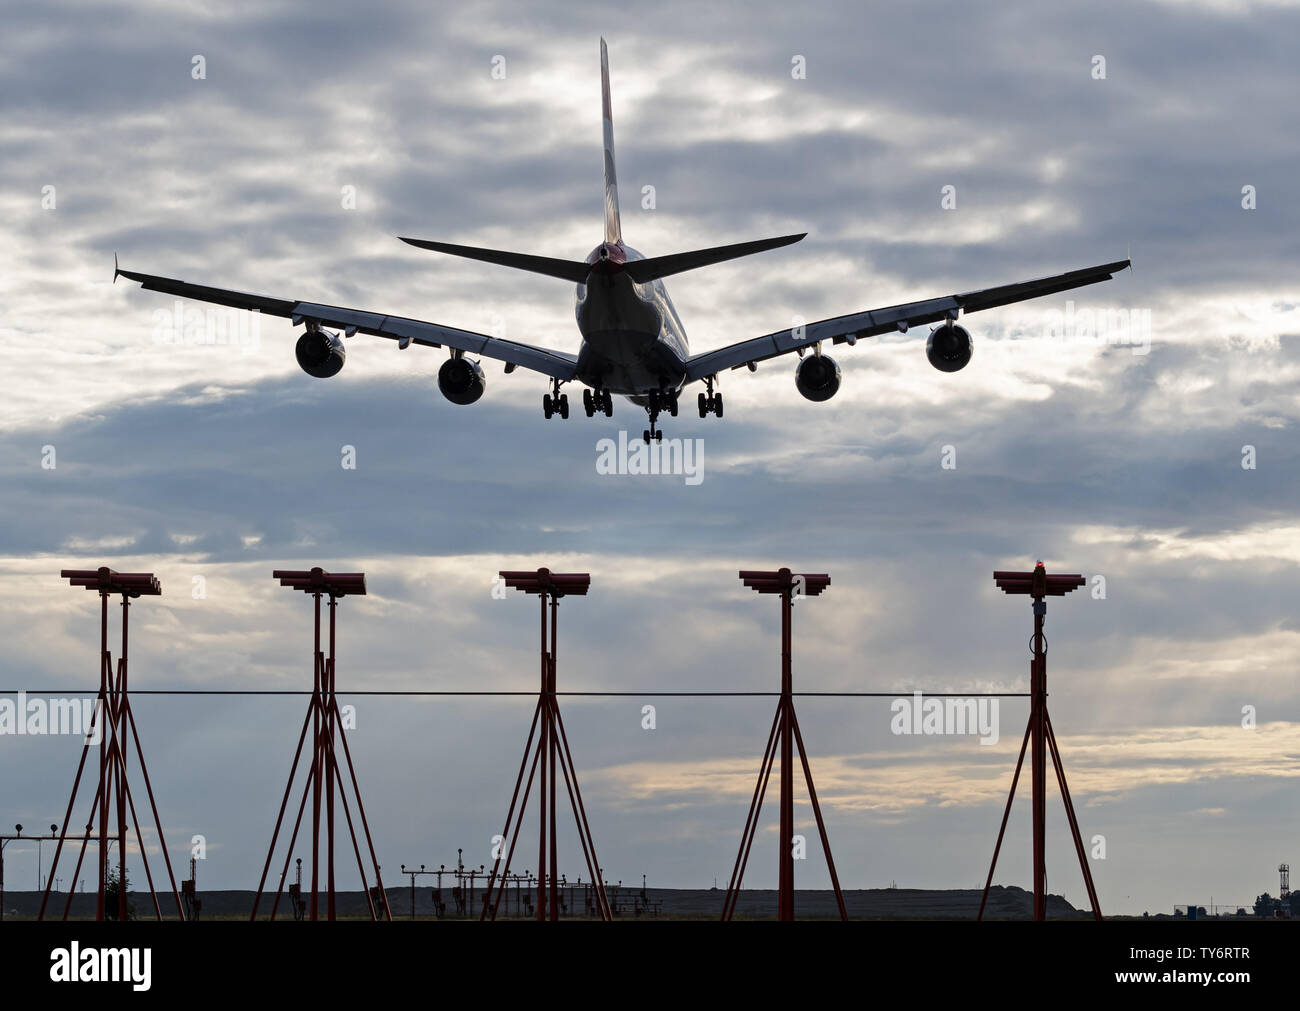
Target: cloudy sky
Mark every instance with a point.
(1171, 474)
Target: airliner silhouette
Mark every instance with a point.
(633, 342)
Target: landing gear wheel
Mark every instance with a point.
(659, 436)
(564, 406)
(587, 404)
(607, 403)
(645, 434)
(548, 406)
(717, 404)
(672, 404)
(704, 405)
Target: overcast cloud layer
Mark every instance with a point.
(221, 463)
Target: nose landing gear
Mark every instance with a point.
(658, 401)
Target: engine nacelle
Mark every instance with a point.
(320, 354)
(817, 377)
(461, 380)
(949, 347)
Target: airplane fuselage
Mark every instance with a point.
(632, 338)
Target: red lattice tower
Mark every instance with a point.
(324, 782)
(789, 586)
(1039, 585)
(114, 725)
(552, 753)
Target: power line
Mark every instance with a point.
(533, 694)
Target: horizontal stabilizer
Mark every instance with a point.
(568, 270)
(642, 271)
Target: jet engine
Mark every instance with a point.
(461, 380)
(320, 354)
(817, 377)
(949, 347)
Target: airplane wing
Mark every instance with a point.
(556, 364)
(847, 329)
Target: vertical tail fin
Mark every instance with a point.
(613, 227)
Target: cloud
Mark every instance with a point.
(211, 464)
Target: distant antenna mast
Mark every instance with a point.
(189, 893)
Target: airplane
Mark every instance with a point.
(633, 342)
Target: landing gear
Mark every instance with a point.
(661, 400)
(600, 400)
(657, 401)
(712, 403)
(555, 402)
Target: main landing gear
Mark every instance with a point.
(711, 404)
(555, 402)
(658, 401)
(600, 401)
(553, 405)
